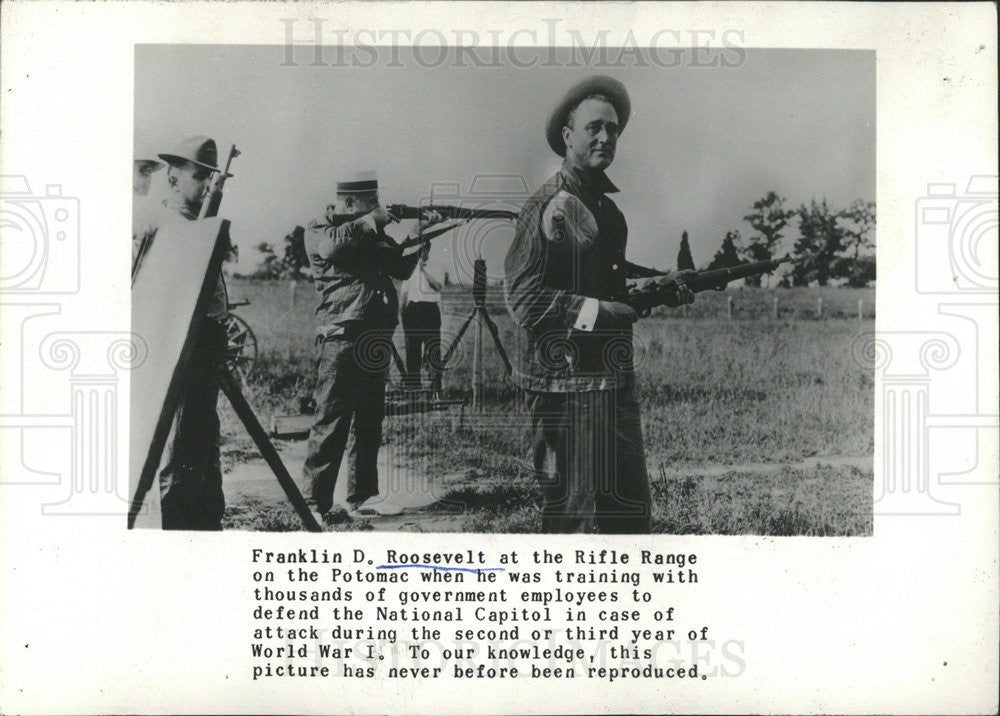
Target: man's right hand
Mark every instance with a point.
(615, 315)
(382, 216)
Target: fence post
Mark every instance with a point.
(861, 309)
(729, 307)
(819, 307)
(776, 307)
(686, 310)
(291, 291)
(477, 366)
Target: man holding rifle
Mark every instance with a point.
(191, 495)
(354, 263)
(566, 278)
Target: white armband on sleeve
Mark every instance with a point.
(588, 315)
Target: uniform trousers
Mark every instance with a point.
(350, 397)
(589, 460)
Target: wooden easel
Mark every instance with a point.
(230, 387)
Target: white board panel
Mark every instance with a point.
(171, 288)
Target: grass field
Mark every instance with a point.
(752, 425)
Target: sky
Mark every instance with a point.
(702, 143)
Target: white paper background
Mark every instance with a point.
(97, 619)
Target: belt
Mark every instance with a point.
(346, 331)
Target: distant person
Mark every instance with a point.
(566, 272)
(354, 263)
(145, 213)
(421, 298)
(191, 495)
(143, 169)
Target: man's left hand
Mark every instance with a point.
(427, 219)
(683, 295)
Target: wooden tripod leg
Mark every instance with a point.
(454, 343)
(397, 360)
(496, 340)
(267, 450)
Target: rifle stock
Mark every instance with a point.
(663, 291)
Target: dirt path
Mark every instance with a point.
(406, 495)
(403, 494)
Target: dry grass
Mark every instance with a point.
(732, 393)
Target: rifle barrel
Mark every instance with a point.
(406, 211)
(710, 279)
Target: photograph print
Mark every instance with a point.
(457, 289)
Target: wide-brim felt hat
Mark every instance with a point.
(197, 150)
(597, 84)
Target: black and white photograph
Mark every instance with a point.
(499, 358)
(490, 290)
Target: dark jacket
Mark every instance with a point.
(353, 274)
(569, 245)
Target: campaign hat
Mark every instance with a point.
(198, 150)
(596, 84)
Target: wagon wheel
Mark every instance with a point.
(241, 348)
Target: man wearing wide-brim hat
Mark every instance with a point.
(191, 496)
(565, 271)
(354, 263)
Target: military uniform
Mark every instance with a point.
(356, 316)
(567, 261)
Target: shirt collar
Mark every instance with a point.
(596, 183)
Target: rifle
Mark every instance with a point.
(405, 211)
(210, 206)
(662, 291)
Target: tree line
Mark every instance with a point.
(834, 246)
